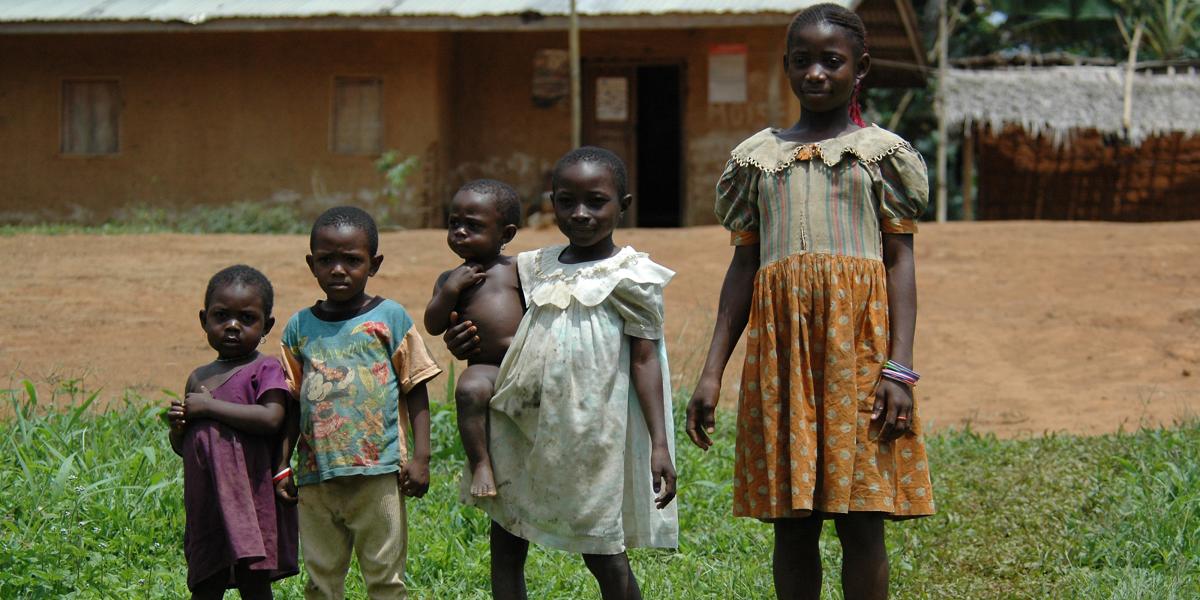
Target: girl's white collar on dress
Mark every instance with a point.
(590, 282)
(770, 154)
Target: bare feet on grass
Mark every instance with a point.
(483, 483)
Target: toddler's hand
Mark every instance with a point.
(662, 473)
(414, 478)
(464, 277)
(285, 490)
(894, 406)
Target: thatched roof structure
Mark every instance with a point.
(1057, 101)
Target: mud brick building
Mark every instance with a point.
(105, 105)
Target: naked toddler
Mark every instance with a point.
(485, 290)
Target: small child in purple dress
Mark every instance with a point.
(227, 429)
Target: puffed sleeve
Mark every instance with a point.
(641, 307)
(737, 202)
(905, 190)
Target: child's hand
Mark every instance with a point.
(414, 478)
(285, 490)
(177, 416)
(702, 413)
(662, 473)
(460, 338)
(894, 406)
(195, 404)
(464, 277)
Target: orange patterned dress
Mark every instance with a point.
(818, 332)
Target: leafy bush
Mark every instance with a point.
(238, 217)
(400, 203)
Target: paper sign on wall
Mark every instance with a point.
(726, 73)
(612, 99)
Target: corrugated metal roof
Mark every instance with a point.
(200, 11)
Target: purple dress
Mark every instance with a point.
(232, 514)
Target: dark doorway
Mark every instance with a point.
(659, 146)
(637, 112)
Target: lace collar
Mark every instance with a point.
(769, 154)
(550, 268)
(555, 282)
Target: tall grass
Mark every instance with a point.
(91, 507)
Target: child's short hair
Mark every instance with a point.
(508, 201)
(834, 15)
(242, 275)
(347, 216)
(594, 154)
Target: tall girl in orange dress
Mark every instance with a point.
(822, 216)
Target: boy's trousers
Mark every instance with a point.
(364, 513)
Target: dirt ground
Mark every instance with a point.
(1024, 327)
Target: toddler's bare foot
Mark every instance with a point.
(483, 483)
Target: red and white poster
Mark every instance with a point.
(726, 73)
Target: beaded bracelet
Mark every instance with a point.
(898, 372)
(280, 476)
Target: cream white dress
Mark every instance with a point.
(569, 444)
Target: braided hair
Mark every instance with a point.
(839, 17)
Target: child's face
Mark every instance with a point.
(341, 261)
(234, 320)
(475, 230)
(586, 204)
(822, 66)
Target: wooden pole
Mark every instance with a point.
(905, 100)
(1127, 110)
(576, 76)
(940, 106)
(968, 174)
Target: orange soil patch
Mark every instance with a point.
(1024, 327)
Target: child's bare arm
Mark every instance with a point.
(285, 489)
(291, 433)
(893, 400)
(646, 371)
(176, 436)
(445, 295)
(176, 421)
(177, 427)
(263, 418)
(902, 294)
(414, 476)
(733, 311)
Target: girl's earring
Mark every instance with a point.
(262, 340)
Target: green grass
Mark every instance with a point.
(236, 217)
(91, 507)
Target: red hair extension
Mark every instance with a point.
(855, 110)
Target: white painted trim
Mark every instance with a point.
(490, 23)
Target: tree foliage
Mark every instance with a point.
(1097, 28)
(1103, 27)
